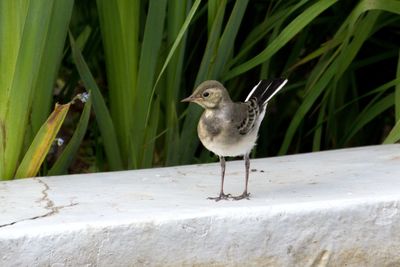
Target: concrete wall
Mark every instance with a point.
(336, 208)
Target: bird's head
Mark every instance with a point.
(209, 94)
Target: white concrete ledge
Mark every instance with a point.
(336, 208)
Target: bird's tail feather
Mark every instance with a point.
(266, 89)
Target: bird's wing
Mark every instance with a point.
(246, 115)
(265, 90)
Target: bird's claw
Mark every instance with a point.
(245, 195)
(220, 197)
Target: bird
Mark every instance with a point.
(230, 129)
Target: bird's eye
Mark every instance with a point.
(206, 94)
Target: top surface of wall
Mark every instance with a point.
(297, 185)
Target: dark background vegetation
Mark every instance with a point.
(374, 64)
(139, 58)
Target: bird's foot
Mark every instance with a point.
(242, 196)
(220, 197)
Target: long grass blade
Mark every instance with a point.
(178, 21)
(68, 154)
(313, 94)
(351, 48)
(397, 92)
(394, 134)
(103, 117)
(50, 62)
(369, 114)
(171, 52)
(19, 98)
(271, 21)
(152, 39)
(225, 47)
(42, 142)
(120, 28)
(12, 19)
(335, 66)
(188, 139)
(284, 37)
(151, 133)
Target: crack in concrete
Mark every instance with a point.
(45, 197)
(49, 206)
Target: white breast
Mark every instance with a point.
(244, 146)
(222, 146)
(228, 144)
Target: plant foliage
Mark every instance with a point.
(139, 58)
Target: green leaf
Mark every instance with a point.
(18, 99)
(188, 140)
(314, 92)
(42, 142)
(299, 23)
(272, 21)
(50, 62)
(120, 29)
(318, 131)
(70, 150)
(150, 138)
(153, 33)
(178, 21)
(368, 114)
(103, 117)
(397, 92)
(172, 51)
(351, 48)
(228, 37)
(394, 134)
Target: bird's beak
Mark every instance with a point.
(188, 99)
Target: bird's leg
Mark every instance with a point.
(245, 194)
(222, 195)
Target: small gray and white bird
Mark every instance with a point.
(230, 129)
